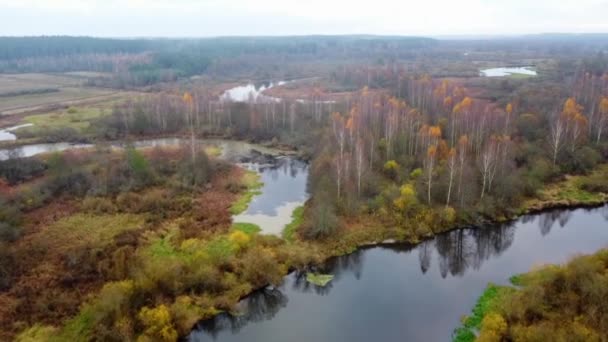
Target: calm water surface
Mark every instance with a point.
(7, 133)
(408, 293)
(284, 190)
(507, 71)
(250, 91)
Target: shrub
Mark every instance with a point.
(18, 170)
(597, 182)
(391, 169)
(185, 313)
(129, 202)
(140, 171)
(98, 205)
(157, 324)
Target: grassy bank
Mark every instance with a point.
(249, 186)
(554, 303)
(485, 304)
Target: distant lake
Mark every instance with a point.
(244, 93)
(508, 71)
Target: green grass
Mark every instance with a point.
(319, 279)
(484, 305)
(247, 228)
(297, 218)
(76, 118)
(517, 279)
(252, 184)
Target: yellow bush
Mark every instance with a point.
(239, 238)
(158, 324)
(493, 327)
(391, 165)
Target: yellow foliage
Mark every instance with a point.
(187, 98)
(604, 105)
(239, 238)
(158, 324)
(391, 165)
(449, 215)
(407, 197)
(493, 327)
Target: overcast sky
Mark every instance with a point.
(202, 18)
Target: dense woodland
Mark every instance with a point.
(414, 145)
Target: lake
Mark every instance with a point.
(508, 71)
(408, 293)
(250, 91)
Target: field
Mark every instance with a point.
(31, 92)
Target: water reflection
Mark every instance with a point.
(409, 286)
(547, 220)
(260, 305)
(284, 189)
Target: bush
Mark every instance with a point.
(140, 171)
(158, 324)
(185, 313)
(19, 170)
(582, 160)
(9, 232)
(597, 182)
(98, 205)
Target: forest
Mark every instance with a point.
(107, 236)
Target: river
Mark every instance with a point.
(284, 190)
(408, 293)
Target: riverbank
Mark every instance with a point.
(365, 232)
(551, 303)
(567, 193)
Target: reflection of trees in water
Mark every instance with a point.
(300, 284)
(458, 251)
(351, 263)
(259, 306)
(547, 219)
(604, 212)
(464, 248)
(286, 166)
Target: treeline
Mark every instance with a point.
(12, 48)
(198, 113)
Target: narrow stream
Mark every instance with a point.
(284, 190)
(408, 293)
